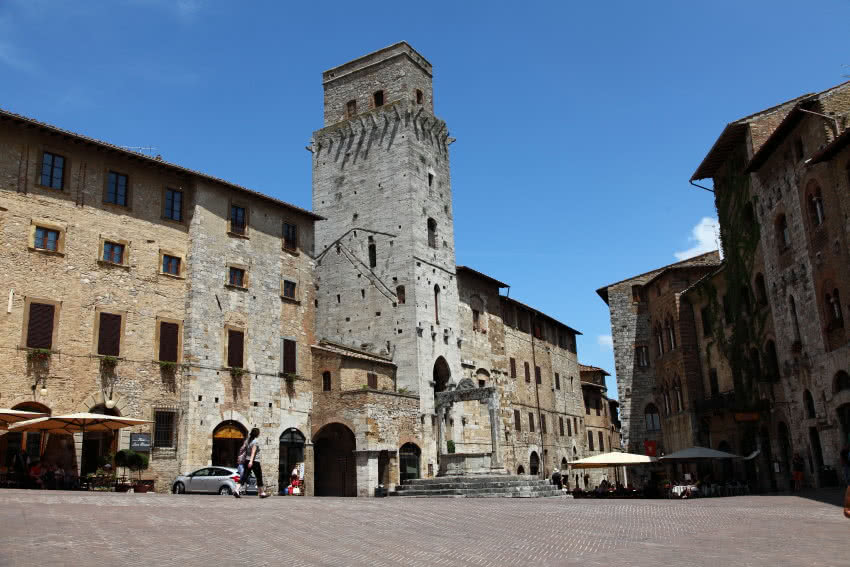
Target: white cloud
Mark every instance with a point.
(605, 341)
(705, 235)
(14, 58)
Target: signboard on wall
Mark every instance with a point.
(140, 442)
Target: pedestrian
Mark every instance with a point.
(253, 465)
(798, 466)
(845, 463)
(556, 479)
(240, 458)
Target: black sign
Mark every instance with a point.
(140, 442)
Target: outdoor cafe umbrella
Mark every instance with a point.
(694, 454)
(8, 416)
(614, 459)
(77, 423)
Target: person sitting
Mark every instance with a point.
(35, 475)
(59, 476)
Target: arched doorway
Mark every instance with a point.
(520, 470)
(99, 447)
(408, 456)
(15, 442)
(335, 472)
(534, 464)
(442, 374)
(228, 437)
(291, 453)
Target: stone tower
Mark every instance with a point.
(385, 254)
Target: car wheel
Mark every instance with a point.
(225, 491)
(179, 488)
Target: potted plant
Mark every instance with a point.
(39, 354)
(138, 462)
(450, 446)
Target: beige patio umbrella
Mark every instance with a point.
(8, 416)
(77, 423)
(614, 459)
(694, 454)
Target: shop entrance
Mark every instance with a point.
(291, 453)
(99, 446)
(228, 437)
(408, 457)
(335, 472)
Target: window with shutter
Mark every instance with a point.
(543, 423)
(290, 236)
(527, 372)
(372, 380)
(513, 368)
(109, 335)
(569, 427)
(289, 366)
(517, 421)
(537, 376)
(561, 425)
(235, 348)
(40, 326)
(590, 440)
(531, 422)
(168, 339)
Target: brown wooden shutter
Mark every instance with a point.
(235, 348)
(372, 380)
(513, 368)
(109, 336)
(40, 327)
(517, 421)
(168, 341)
(289, 366)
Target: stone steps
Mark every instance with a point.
(478, 486)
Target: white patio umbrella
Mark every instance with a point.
(8, 416)
(615, 459)
(698, 454)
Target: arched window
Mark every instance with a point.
(420, 98)
(841, 382)
(832, 305)
(653, 420)
(809, 403)
(437, 303)
(671, 334)
(678, 389)
(815, 203)
(432, 233)
(795, 324)
(659, 340)
(326, 381)
(399, 293)
(761, 290)
(378, 98)
(666, 401)
(772, 360)
(783, 235)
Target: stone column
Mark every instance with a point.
(309, 467)
(366, 463)
(495, 439)
(441, 433)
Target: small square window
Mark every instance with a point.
(170, 265)
(173, 204)
(289, 289)
(378, 97)
(236, 277)
(116, 189)
(350, 108)
(52, 171)
(113, 252)
(46, 239)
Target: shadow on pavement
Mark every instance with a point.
(832, 495)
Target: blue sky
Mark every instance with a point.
(578, 125)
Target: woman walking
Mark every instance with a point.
(252, 465)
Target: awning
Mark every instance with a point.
(698, 454)
(615, 459)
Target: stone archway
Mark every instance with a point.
(228, 437)
(534, 464)
(335, 471)
(409, 456)
(291, 453)
(442, 374)
(98, 445)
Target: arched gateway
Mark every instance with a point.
(335, 472)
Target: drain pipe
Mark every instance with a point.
(542, 455)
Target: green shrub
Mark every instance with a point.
(450, 446)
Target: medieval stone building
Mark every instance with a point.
(764, 365)
(142, 288)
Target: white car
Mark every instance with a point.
(211, 480)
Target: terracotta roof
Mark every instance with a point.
(521, 304)
(707, 276)
(832, 148)
(5, 114)
(684, 267)
(587, 368)
(788, 124)
(480, 275)
(732, 135)
(351, 352)
(603, 291)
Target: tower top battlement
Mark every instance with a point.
(392, 74)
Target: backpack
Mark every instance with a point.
(243, 453)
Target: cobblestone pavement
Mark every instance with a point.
(77, 528)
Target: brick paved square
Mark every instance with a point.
(68, 528)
